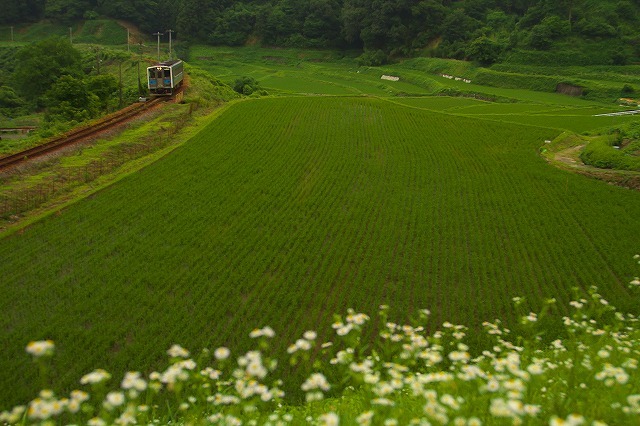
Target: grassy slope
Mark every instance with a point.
(103, 31)
(285, 210)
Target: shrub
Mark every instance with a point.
(627, 90)
(605, 153)
(246, 85)
(372, 58)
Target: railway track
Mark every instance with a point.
(76, 135)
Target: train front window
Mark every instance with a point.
(167, 73)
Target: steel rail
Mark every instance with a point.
(76, 135)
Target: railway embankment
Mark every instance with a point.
(99, 156)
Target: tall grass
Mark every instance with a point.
(404, 375)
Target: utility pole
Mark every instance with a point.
(170, 31)
(70, 35)
(139, 81)
(128, 40)
(158, 34)
(12, 34)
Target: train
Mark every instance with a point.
(164, 78)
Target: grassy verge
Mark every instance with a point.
(35, 191)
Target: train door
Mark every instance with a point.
(153, 79)
(167, 79)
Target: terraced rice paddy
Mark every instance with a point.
(284, 211)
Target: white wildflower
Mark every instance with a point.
(221, 353)
(177, 351)
(329, 419)
(114, 399)
(96, 376)
(40, 348)
(262, 332)
(132, 380)
(365, 418)
(316, 381)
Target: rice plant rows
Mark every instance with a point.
(284, 211)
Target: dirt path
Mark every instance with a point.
(569, 159)
(570, 156)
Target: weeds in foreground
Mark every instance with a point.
(406, 376)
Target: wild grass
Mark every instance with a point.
(406, 374)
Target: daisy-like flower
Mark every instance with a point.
(114, 399)
(316, 381)
(96, 421)
(222, 353)
(310, 335)
(177, 351)
(132, 380)
(365, 418)
(79, 395)
(262, 332)
(40, 348)
(96, 376)
(329, 419)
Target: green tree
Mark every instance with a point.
(457, 26)
(234, 26)
(39, 65)
(484, 50)
(69, 99)
(18, 11)
(322, 22)
(551, 28)
(595, 27)
(428, 16)
(274, 25)
(11, 105)
(105, 88)
(352, 18)
(195, 18)
(66, 11)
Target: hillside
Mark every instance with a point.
(487, 31)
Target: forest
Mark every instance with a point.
(485, 31)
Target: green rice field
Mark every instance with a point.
(285, 210)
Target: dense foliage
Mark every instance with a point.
(619, 149)
(54, 77)
(482, 30)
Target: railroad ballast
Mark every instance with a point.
(165, 77)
